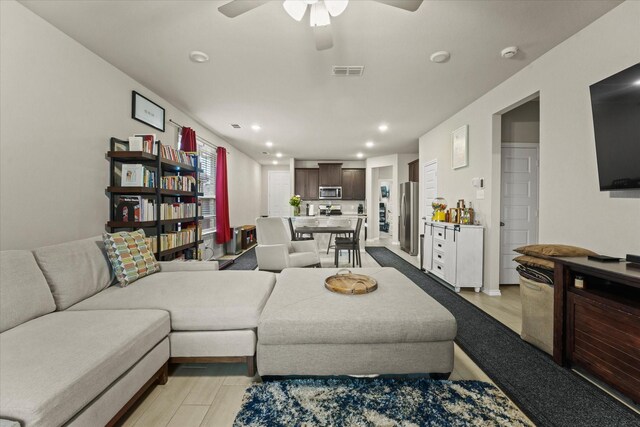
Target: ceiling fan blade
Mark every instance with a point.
(295, 9)
(410, 5)
(336, 7)
(323, 36)
(238, 7)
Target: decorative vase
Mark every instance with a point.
(296, 211)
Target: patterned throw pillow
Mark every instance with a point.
(130, 256)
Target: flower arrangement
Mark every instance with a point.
(295, 202)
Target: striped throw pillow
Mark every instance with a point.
(130, 256)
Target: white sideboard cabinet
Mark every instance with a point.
(454, 253)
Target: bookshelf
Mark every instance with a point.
(170, 215)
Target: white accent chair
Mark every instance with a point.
(276, 251)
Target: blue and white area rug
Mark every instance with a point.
(378, 402)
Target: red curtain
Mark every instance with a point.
(223, 233)
(188, 141)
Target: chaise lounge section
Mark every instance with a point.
(75, 350)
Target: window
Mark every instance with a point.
(208, 179)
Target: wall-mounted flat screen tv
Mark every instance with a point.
(615, 104)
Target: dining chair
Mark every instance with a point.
(305, 222)
(350, 244)
(337, 222)
(297, 236)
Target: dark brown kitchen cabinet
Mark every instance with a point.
(330, 174)
(306, 183)
(414, 171)
(353, 184)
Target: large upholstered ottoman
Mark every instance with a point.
(306, 329)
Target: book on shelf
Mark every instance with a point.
(180, 156)
(177, 210)
(180, 183)
(152, 243)
(137, 175)
(148, 143)
(134, 208)
(135, 143)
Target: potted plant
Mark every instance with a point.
(295, 202)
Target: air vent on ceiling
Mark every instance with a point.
(235, 125)
(348, 70)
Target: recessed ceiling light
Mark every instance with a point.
(636, 83)
(199, 57)
(383, 127)
(256, 127)
(369, 144)
(269, 144)
(278, 155)
(275, 162)
(440, 57)
(360, 155)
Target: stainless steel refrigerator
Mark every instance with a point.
(409, 217)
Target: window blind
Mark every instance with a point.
(208, 159)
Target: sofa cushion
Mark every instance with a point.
(53, 366)
(196, 301)
(24, 294)
(554, 250)
(130, 256)
(532, 261)
(75, 270)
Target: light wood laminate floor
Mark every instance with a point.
(211, 395)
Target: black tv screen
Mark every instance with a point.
(615, 103)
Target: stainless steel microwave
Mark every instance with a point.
(331, 193)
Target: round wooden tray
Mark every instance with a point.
(350, 284)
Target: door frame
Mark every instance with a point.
(423, 181)
(527, 145)
(269, 174)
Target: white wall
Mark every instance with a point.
(572, 209)
(60, 104)
(522, 124)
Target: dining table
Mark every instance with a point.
(316, 229)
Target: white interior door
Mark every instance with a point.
(430, 186)
(519, 205)
(279, 193)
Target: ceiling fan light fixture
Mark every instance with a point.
(319, 15)
(295, 8)
(336, 7)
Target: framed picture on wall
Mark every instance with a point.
(460, 147)
(146, 111)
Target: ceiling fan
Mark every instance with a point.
(320, 13)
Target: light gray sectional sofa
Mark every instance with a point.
(75, 350)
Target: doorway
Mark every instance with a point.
(519, 184)
(278, 193)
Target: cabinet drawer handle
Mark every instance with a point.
(439, 245)
(439, 268)
(439, 256)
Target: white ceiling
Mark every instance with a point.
(264, 67)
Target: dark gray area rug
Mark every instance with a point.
(547, 393)
(246, 261)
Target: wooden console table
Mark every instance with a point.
(598, 327)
